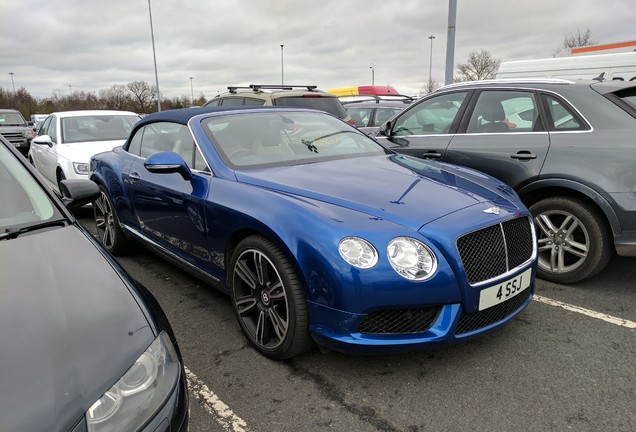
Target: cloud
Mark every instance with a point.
(92, 45)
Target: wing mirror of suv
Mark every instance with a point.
(167, 163)
(385, 129)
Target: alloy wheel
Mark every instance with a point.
(105, 221)
(260, 299)
(563, 241)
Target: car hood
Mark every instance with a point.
(397, 188)
(69, 326)
(82, 152)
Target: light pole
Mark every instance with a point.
(70, 89)
(191, 93)
(154, 56)
(430, 61)
(12, 83)
(372, 67)
(282, 75)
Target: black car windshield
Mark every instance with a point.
(24, 202)
(260, 139)
(97, 128)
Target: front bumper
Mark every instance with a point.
(448, 324)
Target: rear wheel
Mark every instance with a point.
(573, 241)
(268, 299)
(109, 231)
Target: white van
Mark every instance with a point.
(617, 66)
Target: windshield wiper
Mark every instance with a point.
(11, 234)
(310, 143)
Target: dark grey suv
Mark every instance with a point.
(568, 148)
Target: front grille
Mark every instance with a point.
(13, 137)
(497, 249)
(397, 321)
(469, 322)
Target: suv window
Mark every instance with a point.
(254, 101)
(11, 119)
(432, 116)
(504, 111)
(560, 116)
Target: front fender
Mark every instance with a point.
(601, 201)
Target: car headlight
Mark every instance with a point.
(81, 168)
(138, 394)
(411, 258)
(358, 252)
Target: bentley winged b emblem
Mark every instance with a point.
(492, 210)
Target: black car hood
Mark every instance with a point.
(69, 328)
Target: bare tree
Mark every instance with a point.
(479, 66)
(117, 97)
(574, 40)
(143, 96)
(429, 87)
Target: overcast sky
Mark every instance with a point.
(92, 45)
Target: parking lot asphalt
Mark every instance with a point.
(567, 363)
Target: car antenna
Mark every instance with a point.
(600, 78)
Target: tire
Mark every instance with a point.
(573, 240)
(268, 299)
(109, 232)
(60, 176)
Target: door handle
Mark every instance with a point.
(134, 176)
(524, 155)
(432, 154)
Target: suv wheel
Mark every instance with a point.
(573, 242)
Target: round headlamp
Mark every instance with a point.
(411, 258)
(358, 252)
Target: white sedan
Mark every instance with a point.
(67, 140)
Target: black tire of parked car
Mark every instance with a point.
(60, 176)
(268, 299)
(109, 232)
(567, 226)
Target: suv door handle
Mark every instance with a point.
(432, 154)
(524, 155)
(134, 176)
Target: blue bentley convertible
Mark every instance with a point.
(319, 234)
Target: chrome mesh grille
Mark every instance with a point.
(398, 321)
(494, 250)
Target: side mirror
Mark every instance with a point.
(78, 192)
(167, 163)
(385, 129)
(42, 140)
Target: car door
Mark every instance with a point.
(502, 134)
(169, 208)
(45, 157)
(425, 128)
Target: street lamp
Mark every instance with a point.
(70, 89)
(191, 92)
(372, 74)
(430, 62)
(154, 56)
(282, 75)
(12, 83)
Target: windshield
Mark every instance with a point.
(24, 202)
(97, 128)
(11, 119)
(332, 105)
(286, 138)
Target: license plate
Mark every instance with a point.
(505, 290)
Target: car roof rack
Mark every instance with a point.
(509, 81)
(380, 98)
(258, 87)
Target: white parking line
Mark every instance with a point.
(215, 406)
(607, 318)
